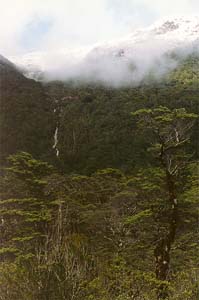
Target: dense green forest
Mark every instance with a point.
(99, 189)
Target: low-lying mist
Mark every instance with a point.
(117, 69)
(143, 56)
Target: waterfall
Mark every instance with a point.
(57, 110)
(56, 141)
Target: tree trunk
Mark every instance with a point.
(163, 247)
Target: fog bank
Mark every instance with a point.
(145, 54)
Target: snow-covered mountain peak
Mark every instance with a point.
(165, 35)
(184, 25)
(131, 56)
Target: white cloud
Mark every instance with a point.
(79, 22)
(73, 22)
(140, 55)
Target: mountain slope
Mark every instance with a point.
(26, 121)
(95, 126)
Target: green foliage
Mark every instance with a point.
(88, 228)
(138, 217)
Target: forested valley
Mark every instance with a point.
(99, 188)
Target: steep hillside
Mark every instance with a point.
(95, 128)
(26, 118)
(80, 229)
(85, 127)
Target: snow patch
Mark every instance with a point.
(121, 62)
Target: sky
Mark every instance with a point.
(42, 25)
